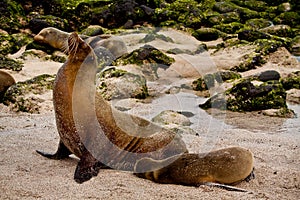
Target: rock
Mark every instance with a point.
(295, 46)
(279, 30)
(93, 30)
(11, 64)
(6, 80)
(230, 28)
(225, 18)
(268, 75)
(252, 35)
(289, 18)
(291, 81)
(153, 36)
(283, 112)
(258, 23)
(104, 57)
(148, 58)
(293, 96)
(24, 96)
(284, 7)
(208, 80)
(43, 21)
(207, 34)
(171, 117)
(245, 96)
(11, 16)
(119, 84)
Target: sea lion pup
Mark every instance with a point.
(114, 140)
(224, 166)
(59, 39)
(6, 80)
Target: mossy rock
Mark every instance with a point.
(289, 18)
(145, 57)
(224, 18)
(295, 46)
(225, 7)
(22, 95)
(281, 31)
(11, 64)
(207, 34)
(252, 4)
(229, 28)
(184, 12)
(244, 96)
(119, 84)
(209, 80)
(11, 14)
(258, 23)
(267, 46)
(93, 30)
(291, 81)
(43, 21)
(252, 35)
(153, 36)
(251, 61)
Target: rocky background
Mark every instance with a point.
(259, 29)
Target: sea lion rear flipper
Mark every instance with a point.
(87, 168)
(61, 153)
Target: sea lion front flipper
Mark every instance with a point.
(61, 153)
(87, 167)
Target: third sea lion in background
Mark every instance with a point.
(59, 39)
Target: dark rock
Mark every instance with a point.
(269, 75)
(39, 22)
(207, 34)
(280, 30)
(252, 35)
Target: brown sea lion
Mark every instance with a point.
(224, 166)
(6, 80)
(59, 39)
(92, 129)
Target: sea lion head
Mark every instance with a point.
(52, 36)
(78, 49)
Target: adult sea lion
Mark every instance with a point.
(92, 129)
(224, 166)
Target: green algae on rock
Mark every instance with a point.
(208, 80)
(11, 64)
(22, 96)
(291, 81)
(119, 84)
(245, 96)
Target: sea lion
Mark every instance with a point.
(224, 166)
(59, 39)
(116, 140)
(6, 80)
